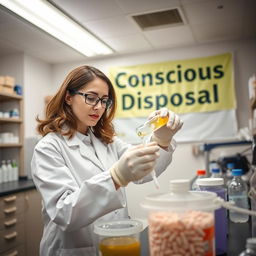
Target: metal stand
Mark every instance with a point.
(207, 147)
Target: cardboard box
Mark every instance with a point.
(6, 88)
(9, 80)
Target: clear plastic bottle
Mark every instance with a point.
(199, 175)
(237, 193)
(216, 173)
(228, 175)
(250, 247)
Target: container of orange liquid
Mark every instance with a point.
(118, 237)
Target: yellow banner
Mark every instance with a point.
(183, 86)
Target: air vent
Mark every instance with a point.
(157, 19)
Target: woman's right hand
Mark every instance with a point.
(135, 163)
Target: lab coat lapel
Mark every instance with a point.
(101, 150)
(84, 151)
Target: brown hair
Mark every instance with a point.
(59, 113)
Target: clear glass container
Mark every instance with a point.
(118, 237)
(181, 222)
(250, 247)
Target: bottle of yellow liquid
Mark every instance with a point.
(151, 125)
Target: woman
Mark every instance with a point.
(80, 168)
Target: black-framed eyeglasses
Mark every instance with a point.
(93, 100)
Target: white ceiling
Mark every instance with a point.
(110, 20)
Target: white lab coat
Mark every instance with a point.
(77, 189)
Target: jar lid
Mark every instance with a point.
(210, 182)
(118, 227)
(181, 199)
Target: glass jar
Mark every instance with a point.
(181, 222)
(118, 237)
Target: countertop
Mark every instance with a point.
(16, 186)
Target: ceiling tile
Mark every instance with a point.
(113, 27)
(130, 43)
(168, 37)
(217, 31)
(207, 11)
(135, 6)
(88, 10)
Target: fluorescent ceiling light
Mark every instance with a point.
(48, 18)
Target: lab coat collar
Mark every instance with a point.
(99, 158)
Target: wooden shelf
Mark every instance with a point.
(10, 145)
(10, 120)
(7, 96)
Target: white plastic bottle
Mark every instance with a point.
(237, 193)
(10, 172)
(4, 171)
(1, 175)
(15, 170)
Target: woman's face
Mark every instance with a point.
(88, 115)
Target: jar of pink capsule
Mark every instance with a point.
(181, 222)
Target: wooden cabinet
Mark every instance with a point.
(12, 149)
(20, 224)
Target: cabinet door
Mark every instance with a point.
(34, 223)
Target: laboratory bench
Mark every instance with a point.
(20, 219)
(238, 233)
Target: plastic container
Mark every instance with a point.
(181, 222)
(250, 247)
(221, 226)
(237, 193)
(118, 237)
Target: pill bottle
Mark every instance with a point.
(118, 237)
(221, 226)
(181, 222)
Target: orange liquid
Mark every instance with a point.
(159, 122)
(120, 246)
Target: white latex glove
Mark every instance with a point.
(135, 163)
(163, 135)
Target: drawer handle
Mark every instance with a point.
(10, 199)
(10, 222)
(10, 210)
(15, 253)
(11, 236)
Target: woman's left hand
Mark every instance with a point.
(163, 135)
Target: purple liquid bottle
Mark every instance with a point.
(221, 226)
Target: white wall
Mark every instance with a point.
(13, 65)
(37, 85)
(184, 164)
